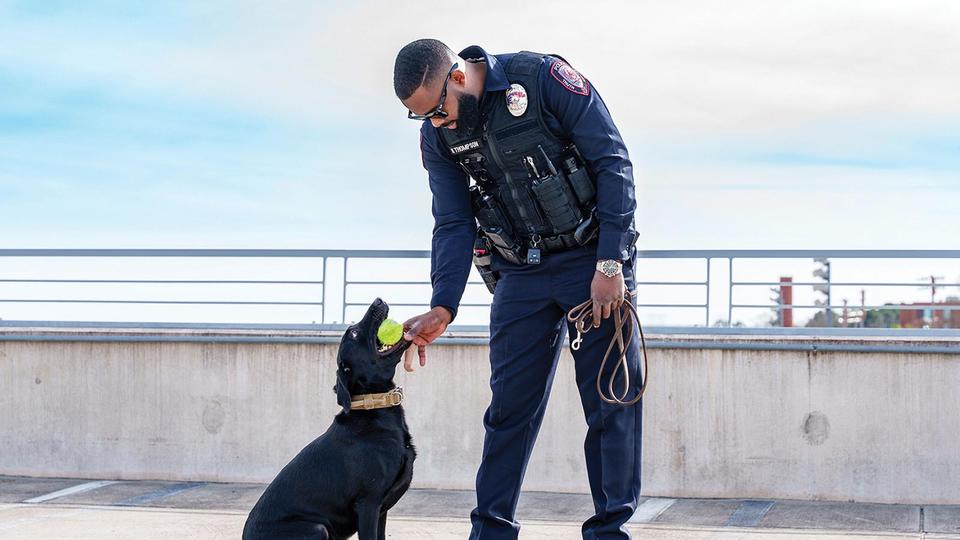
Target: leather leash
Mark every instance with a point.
(582, 318)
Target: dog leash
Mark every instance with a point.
(582, 318)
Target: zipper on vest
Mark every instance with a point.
(514, 193)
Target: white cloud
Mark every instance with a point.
(666, 67)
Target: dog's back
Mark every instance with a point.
(365, 456)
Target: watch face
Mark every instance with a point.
(609, 268)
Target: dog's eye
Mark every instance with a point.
(354, 334)
(346, 370)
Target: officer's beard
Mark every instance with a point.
(468, 115)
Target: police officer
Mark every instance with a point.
(552, 190)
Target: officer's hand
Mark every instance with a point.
(421, 330)
(607, 295)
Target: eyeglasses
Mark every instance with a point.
(443, 96)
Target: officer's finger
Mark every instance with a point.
(422, 351)
(419, 341)
(408, 359)
(596, 314)
(412, 330)
(606, 310)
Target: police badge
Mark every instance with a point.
(517, 100)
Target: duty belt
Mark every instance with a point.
(553, 244)
(544, 244)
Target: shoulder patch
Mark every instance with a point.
(570, 78)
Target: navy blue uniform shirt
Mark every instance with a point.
(569, 114)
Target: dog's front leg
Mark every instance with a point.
(383, 525)
(368, 520)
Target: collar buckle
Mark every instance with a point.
(395, 396)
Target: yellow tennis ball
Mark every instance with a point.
(390, 332)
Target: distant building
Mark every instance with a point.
(932, 317)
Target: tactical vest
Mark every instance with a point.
(532, 190)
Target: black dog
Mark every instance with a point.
(346, 480)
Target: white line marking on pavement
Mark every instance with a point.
(651, 509)
(79, 488)
(749, 513)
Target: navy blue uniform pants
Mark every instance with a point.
(527, 329)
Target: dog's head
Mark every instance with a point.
(364, 365)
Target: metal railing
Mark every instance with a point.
(334, 311)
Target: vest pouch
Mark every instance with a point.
(580, 181)
(557, 202)
(492, 220)
(587, 230)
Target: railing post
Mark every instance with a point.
(343, 298)
(323, 295)
(707, 322)
(730, 293)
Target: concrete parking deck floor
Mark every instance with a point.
(80, 509)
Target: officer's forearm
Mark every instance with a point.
(616, 206)
(616, 239)
(451, 259)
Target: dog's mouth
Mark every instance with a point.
(381, 310)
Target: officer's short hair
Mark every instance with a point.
(419, 63)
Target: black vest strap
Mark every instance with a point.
(525, 63)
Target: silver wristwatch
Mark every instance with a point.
(609, 267)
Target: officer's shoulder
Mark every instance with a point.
(430, 143)
(428, 133)
(547, 59)
(504, 58)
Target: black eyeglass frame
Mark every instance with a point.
(443, 97)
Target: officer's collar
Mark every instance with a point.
(496, 76)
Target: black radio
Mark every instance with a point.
(554, 195)
(481, 259)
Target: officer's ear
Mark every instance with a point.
(458, 77)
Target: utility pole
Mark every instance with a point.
(933, 300)
(933, 287)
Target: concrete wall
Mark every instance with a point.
(717, 423)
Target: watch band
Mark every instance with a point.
(609, 267)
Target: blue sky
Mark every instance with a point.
(245, 124)
(813, 124)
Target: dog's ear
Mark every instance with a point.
(343, 393)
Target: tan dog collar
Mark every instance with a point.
(378, 401)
